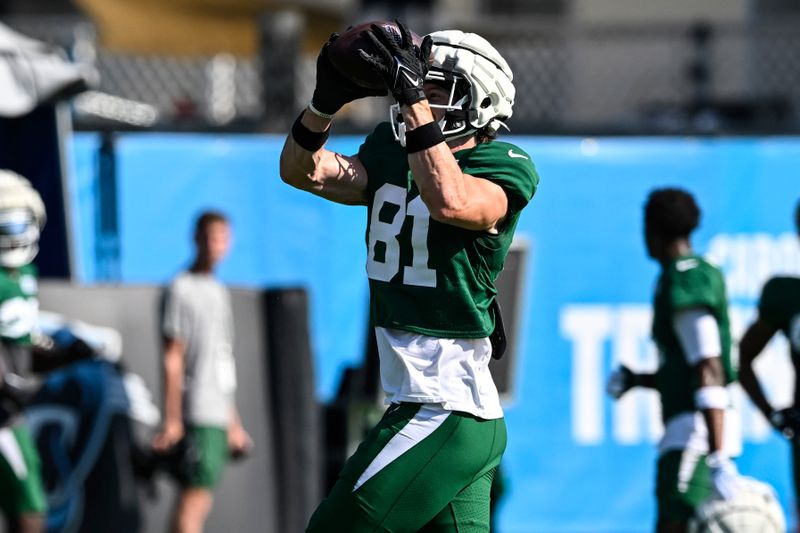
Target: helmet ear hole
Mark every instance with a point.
(486, 102)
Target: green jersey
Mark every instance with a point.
(21, 489)
(19, 304)
(780, 306)
(688, 282)
(425, 276)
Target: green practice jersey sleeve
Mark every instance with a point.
(19, 304)
(506, 165)
(694, 284)
(688, 282)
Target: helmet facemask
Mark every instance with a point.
(19, 237)
(479, 83)
(454, 123)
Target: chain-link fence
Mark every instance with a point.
(655, 78)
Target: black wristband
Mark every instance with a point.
(423, 137)
(307, 139)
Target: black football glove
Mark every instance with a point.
(620, 381)
(334, 90)
(787, 421)
(402, 64)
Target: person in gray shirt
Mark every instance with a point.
(200, 376)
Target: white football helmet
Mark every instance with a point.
(753, 508)
(22, 217)
(478, 78)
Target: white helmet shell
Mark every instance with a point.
(22, 216)
(489, 76)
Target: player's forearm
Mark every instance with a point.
(752, 344)
(441, 183)
(173, 387)
(752, 387)
(712, 398)
(330, 175)
(647, 381)
(235, 420)
(715, 420)
(300, 167)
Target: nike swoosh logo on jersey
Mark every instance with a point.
(686, 264)
(513, 154)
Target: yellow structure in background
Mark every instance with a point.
(195, 27)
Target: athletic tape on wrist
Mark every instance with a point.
(317, 112)
(712, 397)
(307, 139)
(423, 137)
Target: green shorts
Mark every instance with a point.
(683, 481)
(21, 489)
(420, 469)
(205, 457)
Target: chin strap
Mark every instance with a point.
(496, 124)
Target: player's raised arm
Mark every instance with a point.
(310, 167)
(304, 162)
(451, 195)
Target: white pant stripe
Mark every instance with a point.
(426, 421)
(9, 448)
(689, 460)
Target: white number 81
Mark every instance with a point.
(388, 232)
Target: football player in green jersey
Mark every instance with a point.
(778, 310)
(692, 334)
(22, 498)
(443, 198)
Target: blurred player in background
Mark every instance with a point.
(443, 199)
(778, 310)
(691, 331)
(200, 376)
(22, 215)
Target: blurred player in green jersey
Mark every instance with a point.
(22, 215)
(443, 199)
(692, 334)
(778, 310)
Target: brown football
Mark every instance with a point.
(345, 57)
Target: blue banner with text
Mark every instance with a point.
(575, 461)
